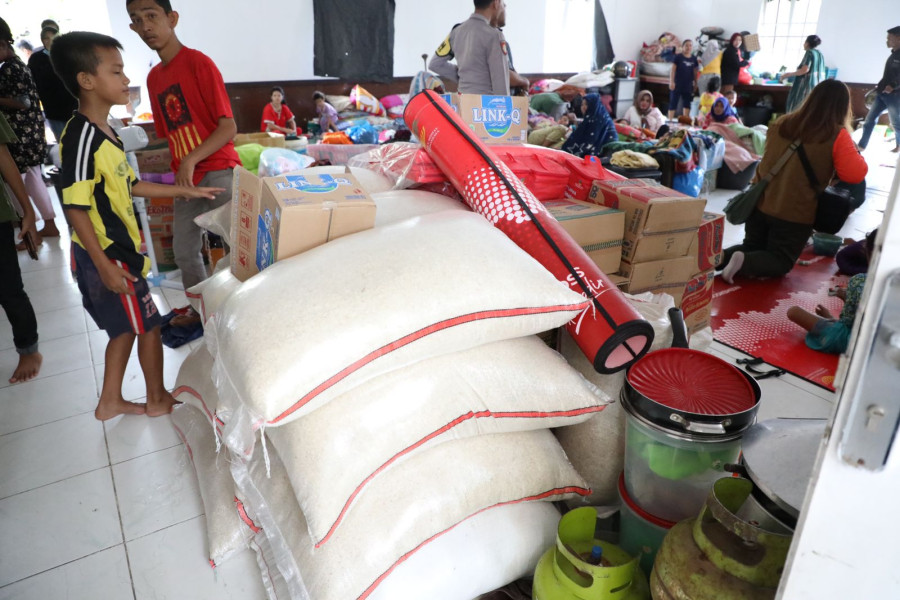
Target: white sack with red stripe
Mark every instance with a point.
(399, 205)
(334, 453)
(318, 324)
(484, 552)
(226, 532)
(208, 296)
(413, 505)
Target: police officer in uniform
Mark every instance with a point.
(481, 52)
(887, 93)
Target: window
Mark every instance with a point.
(783, 27)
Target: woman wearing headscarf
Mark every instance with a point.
(808, 75)
(721, 112)
(780, 225)
(595, 131)
(643, 115)
(732, 62)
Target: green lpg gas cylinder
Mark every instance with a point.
(565, 571)
(719, 556)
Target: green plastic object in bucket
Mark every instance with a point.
(562, 573)
(825, 244)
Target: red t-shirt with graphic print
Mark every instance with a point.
(188, 98)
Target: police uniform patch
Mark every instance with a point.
(444, 49)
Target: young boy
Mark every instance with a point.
(191, 109)
(683, 80)
(97, 187)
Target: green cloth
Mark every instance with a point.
(803, 84)
(757, 138)
(7, 212)
(546, 103)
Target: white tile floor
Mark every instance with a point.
(111, 510)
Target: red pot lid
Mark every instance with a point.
(692, 381)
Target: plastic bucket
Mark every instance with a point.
(668, 475)
(640, 533)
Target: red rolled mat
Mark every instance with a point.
(612, 334)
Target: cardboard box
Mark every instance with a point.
(751, 41)
(263, 138)
(650, 209)
(695, 301)
(657, 275)
(597, 229)
(657, 246)
(165, 255)
(154, 161)
(496, 119)
(277, 217)
(706, 245)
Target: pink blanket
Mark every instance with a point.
(737, 157)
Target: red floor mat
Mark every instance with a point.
(751, 315)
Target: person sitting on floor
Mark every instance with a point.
(643, 115)
(595, 131)
(826, 333)
(709, 97)
(721, 112)
(782, 221)
(853, 258)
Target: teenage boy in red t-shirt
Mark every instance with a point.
(191, 109)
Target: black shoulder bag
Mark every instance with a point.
(834, 204)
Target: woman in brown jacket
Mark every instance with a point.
(780, 226)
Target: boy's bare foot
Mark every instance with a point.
(28, 367)
(162, 405)
(49, 230)
(107, 410)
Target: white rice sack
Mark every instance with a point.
(399, 205)
(369, 180)
(411, 506)
(226, 533)
(194, 385)
(208, 296)
(596, 446)
(483, 553)
(217, 221)
(513, 385)
(316, 325)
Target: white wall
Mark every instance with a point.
(272, 40)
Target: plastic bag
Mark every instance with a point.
(689, 183)
(275, 161)
(249, 155)
(363, 133)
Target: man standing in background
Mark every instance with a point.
(441, 63)
(481, 52)
(56, 100)
(887, 95)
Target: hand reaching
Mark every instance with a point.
(824, 312)
(199, 192)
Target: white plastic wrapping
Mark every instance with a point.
(400, 205)
(393, 161)
(208, 296)
(335, 453)
(226, 533)
(316, 325)
(217, 221)
(278, 161)
(412, 506)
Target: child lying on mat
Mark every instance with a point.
(826, 333)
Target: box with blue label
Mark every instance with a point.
(495, 119)
(273, 218)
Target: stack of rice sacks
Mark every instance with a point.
(372, 416)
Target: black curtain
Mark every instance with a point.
(603, 50)
(354, 40)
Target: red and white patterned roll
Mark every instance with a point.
(612, 334)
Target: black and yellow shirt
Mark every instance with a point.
(96, 177)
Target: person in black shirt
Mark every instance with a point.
(888, 93)
(58, 103)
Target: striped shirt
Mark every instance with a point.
(97, 178)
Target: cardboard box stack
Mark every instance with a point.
(262, 138)
(274, 218)
(705, 252)
(154, 165)
(661, 225)
(597, 229)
